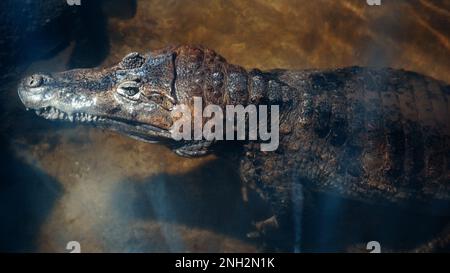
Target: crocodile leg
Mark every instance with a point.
(261, 227)
(194, 148)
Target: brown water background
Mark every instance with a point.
(113, 194)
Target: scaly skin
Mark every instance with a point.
(376, 135)
(368, 134)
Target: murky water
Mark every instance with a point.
(113, 194)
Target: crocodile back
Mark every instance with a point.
(368, 134)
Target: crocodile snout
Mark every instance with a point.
(34, 90)
(34, 81)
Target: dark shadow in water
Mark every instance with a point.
(27, 196)
(208, 197)
(329, 228)
(92, 41)
(30, 30)
(33, 30)
(119, 8)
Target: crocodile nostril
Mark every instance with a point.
(34, 81)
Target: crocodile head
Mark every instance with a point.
(134, 97)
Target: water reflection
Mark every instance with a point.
(27, 196)
(112, 193)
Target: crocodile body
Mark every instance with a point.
(376, 135)
(367, 134)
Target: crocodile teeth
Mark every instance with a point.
(54, 113)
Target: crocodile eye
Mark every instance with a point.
(132, 60)
(162, 100)
(129, 89)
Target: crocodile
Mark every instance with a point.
(369, 134)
